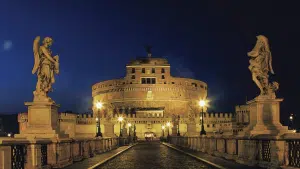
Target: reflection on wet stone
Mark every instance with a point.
(152, 155)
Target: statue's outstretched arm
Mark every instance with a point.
(45, 51)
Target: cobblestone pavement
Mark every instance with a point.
(153, 155)
(86, 163)
(230, 164)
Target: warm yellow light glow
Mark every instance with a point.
(295, 131)
(99, 105)
(8, 134)
(97, 119)
(168, 124)
(291, 117)
(202, 103)
(120, 119)
(163, 127)
(129, 124)
(201, 117)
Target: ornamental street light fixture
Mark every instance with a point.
(168, 125)
(99, 105)
(202, 103)
(163, 130)
(120, 119)
(129, 128)
(178, 132)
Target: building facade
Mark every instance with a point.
(147, 97)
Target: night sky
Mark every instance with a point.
(206, 40)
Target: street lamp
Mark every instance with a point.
(120, 119)
(163, 130)
(178, 132)
(99, 105)
(129, 128)
(202, 103)
(168, 124)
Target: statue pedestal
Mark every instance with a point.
(109, 129)
(265, 117)
(42, 121)
(124, 132)
(191, 129)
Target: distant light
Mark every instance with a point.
(129, 124)
(97, 119)
(120, 119)
(99, 105)
(295, 131)
(202, 103)
(291, 117)
(163, 127)
(9, 135)
(168, 124)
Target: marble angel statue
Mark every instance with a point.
(45, 67)
(261, 65)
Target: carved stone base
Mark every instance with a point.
(264, 118)
(42, 121)
(109, 129)
(191, 130)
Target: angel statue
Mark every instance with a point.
(260, 66)
(45, 66)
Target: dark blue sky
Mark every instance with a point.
(206, 40)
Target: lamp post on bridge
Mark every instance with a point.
(120, 119)
(99, 105)
(202, 103)
(178, 132)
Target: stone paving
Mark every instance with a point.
(217, 160)
(153, 155)
(89, 162)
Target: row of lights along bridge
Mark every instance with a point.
(99, 105)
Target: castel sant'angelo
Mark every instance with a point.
(148, 97)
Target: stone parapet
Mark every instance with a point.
(266, 152)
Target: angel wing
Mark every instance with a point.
(270, 63)
(36, 54)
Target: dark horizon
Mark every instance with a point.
(206, 40)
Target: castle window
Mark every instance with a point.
(163, 76)
(133, 70)
(143, 80)
(165, 82)
(201, 86)
(153, 70)
(173, 82)
(143, 70)
(133, 77)
(162, 70)
(194, 84)
(152, 80)
(148, 80)
(208, 126)
(213, 125)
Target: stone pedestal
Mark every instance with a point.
(124, 132)
(174, 131)
(191, 129)
(109, 129)
(265, 117)
(42, 121)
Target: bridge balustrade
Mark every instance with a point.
(48, 153)
(265, 152)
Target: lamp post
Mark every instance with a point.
(129, 128)
(202, 103)
(98, 106)
(178, 132)
(168, 125)
(120, 119)
(134, 133)
(163, 130)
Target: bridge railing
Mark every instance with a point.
(266, 152)
(49, 153)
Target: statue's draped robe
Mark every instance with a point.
(45, 72)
